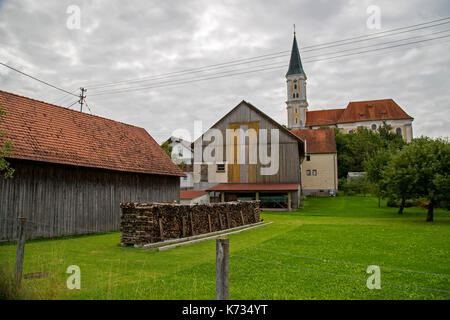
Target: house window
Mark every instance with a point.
(374, 127)
(185, 178)
(220, 168)
(314, 172)
(308, 158)
(308, 172)
(399, 131)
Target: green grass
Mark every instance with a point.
(320, 252)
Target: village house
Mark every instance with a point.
(72, 170)
(194, 196)
(319, 169)
(240, 173)
(183, 155)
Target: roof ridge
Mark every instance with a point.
(64, 108)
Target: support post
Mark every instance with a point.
(222, 197)
(209, 222)
(222, 268)
(220, 221)
(242, 218)
(289, 201)
(20, 250)
(257, 195)
(161, 231)
(183, 219)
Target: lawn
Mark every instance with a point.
(319, 252)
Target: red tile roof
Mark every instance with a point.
(371, 110)
(323, 117)
(49, 133)
(191, 194)
(318, 140)
(255, 187)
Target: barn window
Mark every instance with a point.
(314, 172)
(374, 127)
(399, 131)
(308, 172)
(220, 167)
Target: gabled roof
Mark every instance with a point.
(323, 117)
(295, 64)
(276, 124)
(371, 110)
(191, 194)
(318, 140)
(385, 109)
(44, 132)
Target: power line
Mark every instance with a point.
(184, 81)
(34, 78)
(271, 56)
(77, 101)
(307, 59)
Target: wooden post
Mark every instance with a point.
(222, 268)
(161, 231)
(209, 221)
(289, 201)
(242, 218)
(222, 197)
(257, 195)
(20, 250)
(220, 222)
(184, 226)
(192, 224)
(228, 220)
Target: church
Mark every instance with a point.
(369, 114)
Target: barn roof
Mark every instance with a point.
(44, 132)
(191, 194)
(318, 140)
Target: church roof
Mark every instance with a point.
(295, 64)
(372, 110)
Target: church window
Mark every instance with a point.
(297, 95)
(296, 120)
(308, 158)
(293, 95)
(296, 110)
(295, 86)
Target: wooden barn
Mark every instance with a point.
(240, 172)
(73, 169)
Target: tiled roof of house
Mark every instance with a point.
(191, 194)
(44, 132)
(318, 140)
(372, 110)
(385, 109)
(323, 117)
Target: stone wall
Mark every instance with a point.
(143, 223)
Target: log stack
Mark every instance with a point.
(143, 223)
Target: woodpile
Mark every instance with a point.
(142, 223)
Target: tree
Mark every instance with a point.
(374, 167)
(420, 170)
(167, 148)
(5, 150)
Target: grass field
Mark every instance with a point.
(320, 252)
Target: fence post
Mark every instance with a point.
(222, 270)
(20, 251)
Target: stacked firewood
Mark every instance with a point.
(143, 223)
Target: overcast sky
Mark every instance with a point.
(122, 40)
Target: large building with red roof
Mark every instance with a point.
(370, 114)
(73, 169)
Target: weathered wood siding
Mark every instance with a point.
(65, 200)
(289, 165)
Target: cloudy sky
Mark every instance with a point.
(156, 50)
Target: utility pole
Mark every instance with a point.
(82, 97)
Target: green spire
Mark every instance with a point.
(295, 65)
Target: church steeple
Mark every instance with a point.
(297, 105)
(295, 64)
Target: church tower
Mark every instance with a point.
(296, 90)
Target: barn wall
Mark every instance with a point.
(66, 200)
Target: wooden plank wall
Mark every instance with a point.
(66, 200)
